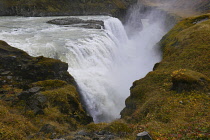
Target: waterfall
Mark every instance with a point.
(103, 62)
(116, 30)
(98, 87)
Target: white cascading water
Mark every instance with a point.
(98, 88)
(104, 63)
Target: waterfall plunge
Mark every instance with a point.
(104, 63)
(97, 80)
(132, 59)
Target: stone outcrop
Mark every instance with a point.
(76, 22)
(17, 65)
(38, 88)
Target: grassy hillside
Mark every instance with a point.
(172, 102)
(64, 7)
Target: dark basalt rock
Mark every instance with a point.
(17, 65)
(35, 75)
(76, 22)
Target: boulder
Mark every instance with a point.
(143, 136)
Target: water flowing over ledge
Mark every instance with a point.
(104, 63)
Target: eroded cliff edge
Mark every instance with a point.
(38, 97)
(173, 100)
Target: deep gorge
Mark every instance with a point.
(104, 63)
(127, 72)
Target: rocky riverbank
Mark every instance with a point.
(38, 97)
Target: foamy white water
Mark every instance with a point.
(104, 63)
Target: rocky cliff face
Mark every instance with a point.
(38, 97)
(64, 7)
(26, 69)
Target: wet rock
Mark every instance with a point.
(66, 21)
(143, 136)
(90, 26)
(76, 22)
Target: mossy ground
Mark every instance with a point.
(166, 113)
(63, 111)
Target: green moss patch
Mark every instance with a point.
(50, 84)
(187, 80)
